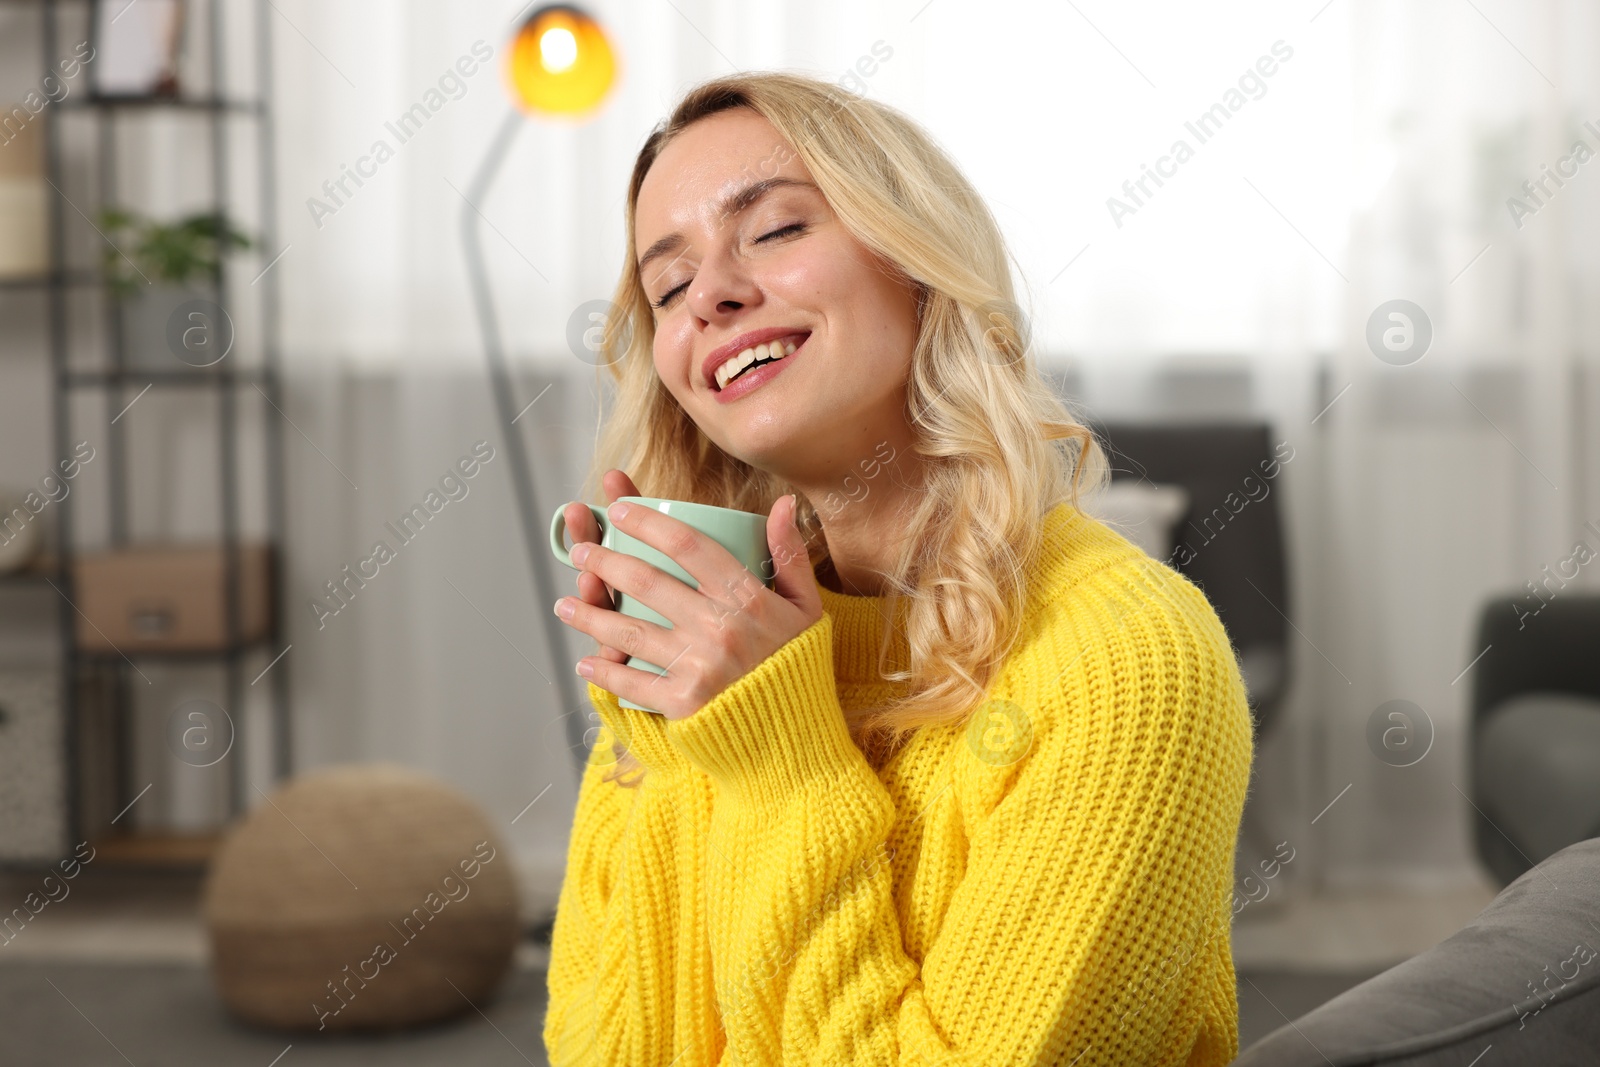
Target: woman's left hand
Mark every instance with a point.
(719, 632)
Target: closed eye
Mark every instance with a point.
(666, 297)
(792, 227)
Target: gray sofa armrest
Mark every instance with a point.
(1524, 977)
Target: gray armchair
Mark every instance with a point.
(1522, 979)
(1535, 736)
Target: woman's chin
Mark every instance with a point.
(767, 440)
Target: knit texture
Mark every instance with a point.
(1049, 884)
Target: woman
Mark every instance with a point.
(963, 785)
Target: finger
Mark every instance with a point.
(594, 592)
(637, 685)
(793, 578)
(636, 637)
(646, 583)
(717, 573)
(580, 522)
(591, 590)
(618, 484)
(582, 525)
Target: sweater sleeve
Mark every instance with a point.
(1101, 852)
(623, 967)
(593, 855)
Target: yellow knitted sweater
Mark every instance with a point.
(1049, 885)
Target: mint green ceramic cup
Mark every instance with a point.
(743, 533)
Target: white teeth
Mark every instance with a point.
(771, 350)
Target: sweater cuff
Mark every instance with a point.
(778, 729)
(642, 733)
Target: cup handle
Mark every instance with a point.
(558, 530)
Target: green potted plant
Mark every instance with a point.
(155, 267)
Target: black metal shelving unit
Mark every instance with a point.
(117, 382)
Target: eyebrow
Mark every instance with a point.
(731, 204)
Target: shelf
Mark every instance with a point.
(200, 104)
(82, 379)
(44, 281)
(42, 568)
(170, 851)
(172, 655)
(79, 308)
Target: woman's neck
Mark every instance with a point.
(828, 577)
(865, 534)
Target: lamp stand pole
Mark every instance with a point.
(534, 533)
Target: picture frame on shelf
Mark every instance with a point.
(136, 44)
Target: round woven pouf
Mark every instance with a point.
(360, 897)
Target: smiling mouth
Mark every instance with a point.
(756, 356)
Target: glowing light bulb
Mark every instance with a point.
(558, 49)
(560, 62)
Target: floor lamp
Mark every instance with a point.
(560, 64)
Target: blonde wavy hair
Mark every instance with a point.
(985, 423)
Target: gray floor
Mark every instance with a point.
(166, 1015)
(115, 974)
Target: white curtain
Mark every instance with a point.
(1372, 163)
(1467, 473)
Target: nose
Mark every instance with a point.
(721, 288)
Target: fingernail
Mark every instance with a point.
(619, 511)
(585, 668)
(580, 552)
(565, 608)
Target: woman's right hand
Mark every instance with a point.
(582, 526)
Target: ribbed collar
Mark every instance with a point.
(857, 630)
(858, 621)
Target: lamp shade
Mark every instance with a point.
(560, 62)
